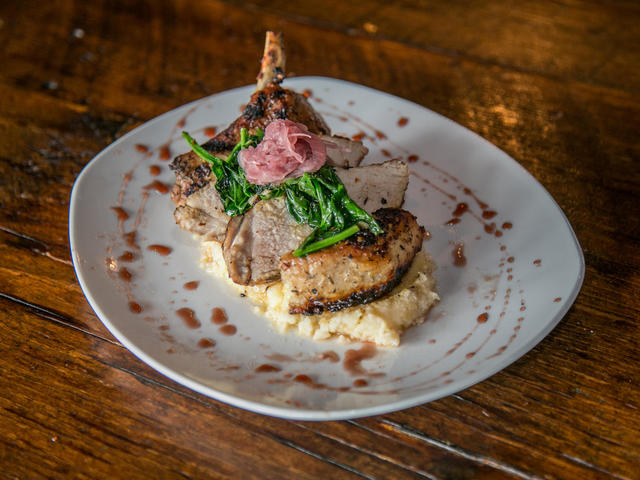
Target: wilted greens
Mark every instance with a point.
(318, 199)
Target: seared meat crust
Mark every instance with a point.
(193, 175)
(357, 270)
(271, 103)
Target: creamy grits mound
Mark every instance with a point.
(381, 322)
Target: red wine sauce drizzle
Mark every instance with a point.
(353, 358)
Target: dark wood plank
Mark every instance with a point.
(101, 372)
(555, 85)
(591, 42)
(95, 410)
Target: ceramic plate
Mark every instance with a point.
(509, 264)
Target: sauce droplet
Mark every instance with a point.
(358, 136)
(360, 382)
(413, 158)
(219, 316)
(461, 208)
(459, 260)
(135, 307)
(329, 355)
(537, 262)
(125, 274)
(191, 285)
(228, 329)
(487, 214)
(154, 170)
(160, 249)
(120, 213)
(557, 299)
(303, 379)
(206, 343)
(483, 317)
(210, 131)
(157, 186)
(141, 148)
(127, 257)
(402, 121)
(164, 152)
(353, 358)
(267, 368)
(188, 316)
(130, 239)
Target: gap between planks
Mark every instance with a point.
(482, 459)
(53, 316)
(37, 246)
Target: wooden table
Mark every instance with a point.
(554, 84)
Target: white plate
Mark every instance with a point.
(524, 280)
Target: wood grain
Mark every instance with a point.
(554, 84)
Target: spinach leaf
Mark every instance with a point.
(236, 193)
(320, 200)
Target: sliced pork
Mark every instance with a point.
(207, 227)
(357, 270)
(376, 186)
(255, 241)
(344, 152)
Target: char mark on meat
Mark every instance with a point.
(358, 270)
(271, 103)
(193, 174)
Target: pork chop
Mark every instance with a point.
(357, 270)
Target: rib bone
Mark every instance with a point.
(273, 60)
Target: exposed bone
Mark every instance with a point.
(273, 61)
